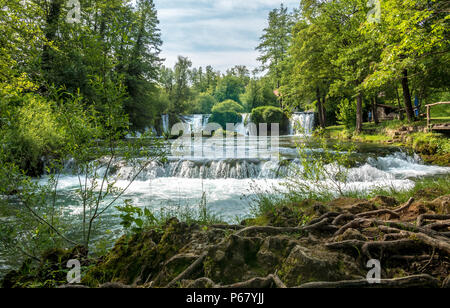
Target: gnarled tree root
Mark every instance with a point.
(416, 281)
(189, 271)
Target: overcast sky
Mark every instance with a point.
(221, 33)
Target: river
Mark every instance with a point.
(228, 182)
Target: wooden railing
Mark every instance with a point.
(429, 119)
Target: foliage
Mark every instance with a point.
(274, 43)
(430, 143)
(229, 88)
(259, 93)
(228, 106)
(346, 113)
(31, 132)
(267, 114)
(204, 103)
(338, 52)
(223, 118)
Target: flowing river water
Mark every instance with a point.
(185, 179)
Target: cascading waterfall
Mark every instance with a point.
(302, 123)
(196, 123)
(165, 123)
(397, 166)
(242, 128)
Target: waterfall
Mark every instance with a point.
(242, 128)
(302, 123)
(196, 122)
(165, 124)
(209, 169)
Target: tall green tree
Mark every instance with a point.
(274, 43)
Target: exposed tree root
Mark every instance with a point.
(379, 212)
(326, 215)
(416, 281)
(189, 271)
(405, 206)
(438, 225)
(343, 217)
(258, 283)
(354, 224)
(227, 227)
(323, 225)
(269, 230)
(421, 219)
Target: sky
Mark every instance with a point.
(221, 33)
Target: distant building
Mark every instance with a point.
(387, 112)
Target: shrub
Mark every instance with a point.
(224, 118)
(226, 112)
(346, 113)
(31, 132)
(268, 114)
(430, 144)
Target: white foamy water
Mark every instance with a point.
(182, 181)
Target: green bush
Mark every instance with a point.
(226, 112)
(346, 113)
(31, 132)
(430, 144)
(224, 118)
(268, 114)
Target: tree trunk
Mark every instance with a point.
(359, 113)
(50, 31)
(320, 109)
(400, 112)
(324, 112)
(407, 97)
(375, 111)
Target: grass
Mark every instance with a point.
(440, 111)
(424, 143)
(427, 189)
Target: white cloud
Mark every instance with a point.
(222, 33)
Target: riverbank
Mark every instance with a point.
(307, 244)
(432, 147)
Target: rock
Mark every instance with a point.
(141, 258)
(352, 234)
(232, 261)
(273, 251)
(201, 283)
(316, 264)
